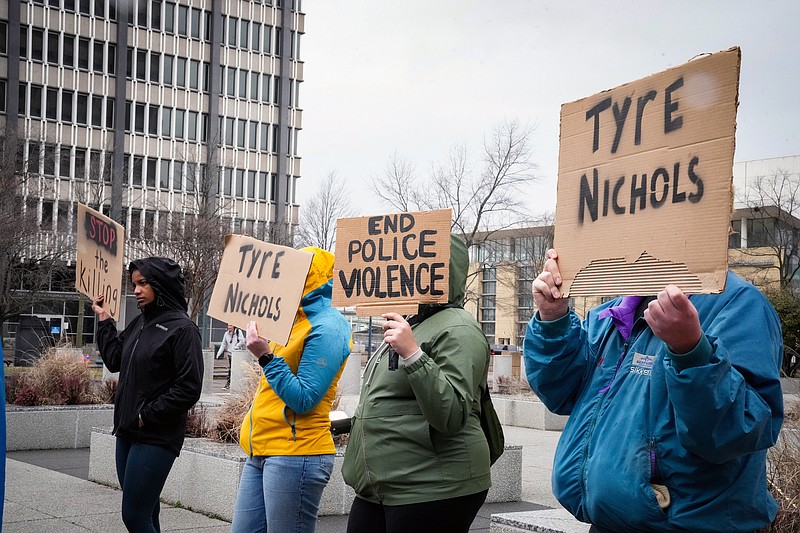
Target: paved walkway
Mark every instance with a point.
(47, 492)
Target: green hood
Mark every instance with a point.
(459, 266)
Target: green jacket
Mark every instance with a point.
(416, 434)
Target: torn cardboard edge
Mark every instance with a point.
(646, 276)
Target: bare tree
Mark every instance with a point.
(485, 198)
(30, 256)
(773, 206)
(330, 202)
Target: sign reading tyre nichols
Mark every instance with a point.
(392, 262)
(262, 282)
(100, 252)
(645, 181)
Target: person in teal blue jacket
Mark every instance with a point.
(673, 402)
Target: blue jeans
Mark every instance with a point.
(142, 470)
(281, 494)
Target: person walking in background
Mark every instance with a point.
(417, 457)
(159, 358)
(233, 339)
(672, 400)
(287, 432)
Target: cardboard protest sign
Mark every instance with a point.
(262, 282)
(645, 182)
(99, 262)
(392, 262)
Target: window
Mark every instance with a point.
(141, 13)
(196, 14)
(163, 174)
(179, 123)
(255, 45)
(273, 189)
(232, 31)
(109, 113)
(181, 64)
(3, 37)
(252, 135)
(130, 63)
(203, 127)
(155, 67)
(278, 44)
(155, 15)
(141, 65)
(240, 131)
(228, 131)
(51, 105)
(83, 54)
(166, 122)
(177, 175)
(52, 48)
(206, 71)
(23, 41)
(111, 64)
(2, 96)
(169, 17)
(194, 72)
(192, 133)
(95, 165)
(127, 116)
(138, 119)
(267, 39)
(80, 163)
(97, 57)
(265, 87)
(82, 115)
(97, 111)
(21, 107)
(66, 106)
(191, 174)
(136, 223)
(262, 185)
(240, 183)
(64, 161)
(264, 147)
(227, 177)
(183, 23)
(276, 93)
(242, 84)
(50, 159)
(275, 135)
(68, 51)
(244, 34)
(150, 176)
(136, 177)
(149, 224)
(47, 216)
(251, 184)
(254, 77)
(152, 120)
(99, 8)
(36, 101)
(231, 75)
(37, 44)
(168, 64)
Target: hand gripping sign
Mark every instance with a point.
(392, 262)
(262, 282)
(99, 259)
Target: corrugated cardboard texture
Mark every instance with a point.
(392, 262)
(262, 282)
(99, 262)
(645, 182)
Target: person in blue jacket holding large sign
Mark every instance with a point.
(673, 402)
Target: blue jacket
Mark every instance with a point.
(698, 424)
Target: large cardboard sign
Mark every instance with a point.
(645, 182)
(392, 262)
(262, 282)
(99, 262)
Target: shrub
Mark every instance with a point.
(783, 473)
(229, 416)
(57, 379)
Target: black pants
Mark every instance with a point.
(454, 515)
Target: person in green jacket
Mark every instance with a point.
(417, 457)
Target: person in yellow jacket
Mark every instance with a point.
(286, 434)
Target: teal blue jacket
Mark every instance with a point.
(698, 424)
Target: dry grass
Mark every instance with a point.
(783, 473)
(57, 379)
(225, 425)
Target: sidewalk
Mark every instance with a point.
(47, 492)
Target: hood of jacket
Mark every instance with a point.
(166, 278)
(319, 281)
(459, 268)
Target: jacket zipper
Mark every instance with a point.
(595, 416)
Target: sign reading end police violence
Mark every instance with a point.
(99, 259)
(645, 182)
(261, 282)
(392, 262)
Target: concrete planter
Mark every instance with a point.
(206, 476)
(52, 427)
(527, 413)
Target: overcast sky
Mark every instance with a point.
(420, 76)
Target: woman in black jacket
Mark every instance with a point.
(160, 363)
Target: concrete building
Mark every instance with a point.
(130, 106)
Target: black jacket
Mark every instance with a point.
(159, 359)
